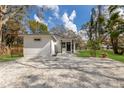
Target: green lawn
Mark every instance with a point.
(8, 58)
(86, 53)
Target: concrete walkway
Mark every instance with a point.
(62, 71)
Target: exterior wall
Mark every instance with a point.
(74, 48)
(53, 44)
(64, 40)
(58, 45)
(45, 47)
(64, 50)
(37, 48)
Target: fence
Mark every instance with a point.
(16, 50)
(13, 51)
(4, 50)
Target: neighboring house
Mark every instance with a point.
(47, 45)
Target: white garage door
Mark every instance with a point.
(36, 46)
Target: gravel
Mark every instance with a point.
(62, 72)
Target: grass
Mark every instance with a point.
(7, 58)
(86, 53)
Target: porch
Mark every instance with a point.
(67, 46)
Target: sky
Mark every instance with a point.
(71, 16)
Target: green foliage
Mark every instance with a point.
(7, 58)
(101, 19)
(114, 34)
(37, 27)
(13, 25)
(112, 8)
(100, 28)
(110, 54)
(93, 46)
(114, 27)
(10, 35)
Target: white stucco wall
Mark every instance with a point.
(53, 43)
(58, 43)
(37, 48)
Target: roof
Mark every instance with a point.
(33, 34)
(64, 35)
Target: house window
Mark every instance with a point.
(63, 44)
(37, 39)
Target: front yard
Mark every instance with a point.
(86, 53)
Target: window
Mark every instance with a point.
(63, 44)
(37, 39)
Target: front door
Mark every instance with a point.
(68, 46)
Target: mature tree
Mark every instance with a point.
(115, 27)
(20, 15)
(61, 31)
(92, 33)
(11, 32)
(95, 29)
(7, 12)
(37, 27)
(58, 30)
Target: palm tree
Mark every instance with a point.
(114, 27)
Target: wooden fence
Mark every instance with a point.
(4, 50)
(13, 51)
(16, 50)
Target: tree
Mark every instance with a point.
(7, 12)
(37, 27)
(95, 29)
(10, 36)
(58, 30)
(61, 31)
(92, 33)
(115, 27)
(20, 14)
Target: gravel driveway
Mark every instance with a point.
(63, 72)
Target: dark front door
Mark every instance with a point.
(68, 46)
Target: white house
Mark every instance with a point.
(47, 45)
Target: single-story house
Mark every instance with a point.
(47, 45)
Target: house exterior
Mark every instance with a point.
(47, 45)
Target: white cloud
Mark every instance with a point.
(73, 15)
(49, 20)
(65, 18)
(37, 19)
(54, 8)
(68, 21)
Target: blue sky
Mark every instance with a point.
(82, 13)
(72, 16)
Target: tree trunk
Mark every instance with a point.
(0, 31)
(114, 42)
